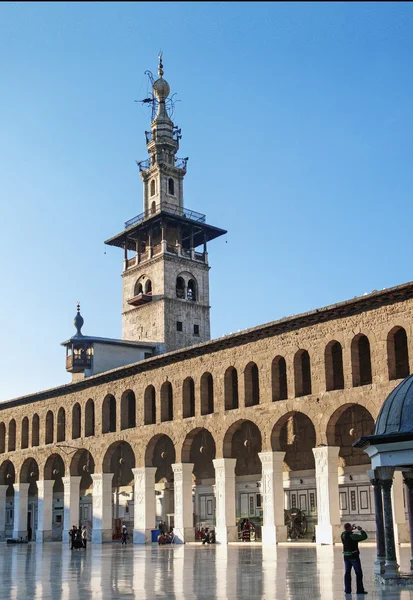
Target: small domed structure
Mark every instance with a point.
(396, 414)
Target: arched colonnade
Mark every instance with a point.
(252, 470)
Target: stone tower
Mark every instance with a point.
(166, 279)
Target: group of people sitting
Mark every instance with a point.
(205, 535)
(78, 537)
(165, 536)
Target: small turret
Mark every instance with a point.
(79, 350)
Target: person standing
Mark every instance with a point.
(72, 536)
(350, 538)
(124, 535)
(84, 536)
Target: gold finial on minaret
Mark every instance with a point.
(160, 66)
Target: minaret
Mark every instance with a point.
(166, 279)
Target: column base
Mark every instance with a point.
(224, 535)
(17, 535)
(43, 536)
(379, 565)
(328, 534)
(272, 534)
(184, 535)
(100, 536)
(142, 536)
(391, 569)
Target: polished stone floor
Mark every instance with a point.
(246, 571)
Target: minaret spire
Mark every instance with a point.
(160, 66)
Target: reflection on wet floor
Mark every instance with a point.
(53, 572)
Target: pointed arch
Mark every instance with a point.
(127, 410)
(153, 187)
(167, 405)
(149, 409)
(188, 398)
(12, 436)
(302, 373)
(243, 442)
(35, 430)
(279, 379)
(109, 414)
(76, 421)
(361, 360)
(294, 433)
(333, 362)
(207, 394)
(61, 425)
(171, 187)
(231, 399)
(397, 353)
(24, 442)
(251, 384)
(89, 418)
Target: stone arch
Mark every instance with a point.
(361, 360)
(35, 430)
(2, 438)
(180, 288)
(8, 476)
(192, 290)
(12, 436)
(29, 473)
(61, 425)
(199, 448)
(167, 403)
(54, 470)
(333, 362)
(83, 465)
(243, 442)
(188, 398)
(128, 410)
(109, 414)
(279, 379)
(346, 425)
(207, 394)
(89, 418)
(397, 353)
(153, 187)
(302, 373)
(171, 187)
(76, 421)
(24, 442)
(231, 399)
(251, 384)
(294, 434)
(160, 453)
(149, 408)
(49, 430)
(119, 459)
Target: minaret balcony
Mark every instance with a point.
(77, 363)
(165, 248)
(140, 299)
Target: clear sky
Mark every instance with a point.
(297, 118)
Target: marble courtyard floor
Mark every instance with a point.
(293, 572)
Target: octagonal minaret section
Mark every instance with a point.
(165, 264)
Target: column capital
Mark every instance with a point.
(45, 484)
(224, 467)
(106, 477)
(21, 487)
(271, 460)
(385, 476)
(71, 480)
(182, 469)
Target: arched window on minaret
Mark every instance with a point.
(153, 187)
(171, 187)
(153, 207)
(148, 287)
(191, 293)
(180, 288)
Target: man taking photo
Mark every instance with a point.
(351, 537)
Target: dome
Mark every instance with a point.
(161, 89)
(396, 414)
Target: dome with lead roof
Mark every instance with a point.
(396, 414)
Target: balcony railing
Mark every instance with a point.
(144, 165)
(172, 209)
(78, 363)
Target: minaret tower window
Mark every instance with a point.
(153, 187)
(171, 187)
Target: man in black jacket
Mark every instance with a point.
(351, 537)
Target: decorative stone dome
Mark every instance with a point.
(161, 89)
(396, 414)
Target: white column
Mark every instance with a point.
(3, 492)
(401, 529)
(183, 505)
(21, 504)
(328, 528)
(274, 530)
(144, 504)
(71, 487)
(225, 530)
(102, 508)
(44, 510)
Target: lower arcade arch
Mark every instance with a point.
(119, 460)
(295, 435)
(346, 425)
(29, 474)
(160, 453)
(8, 478)
(54, 470)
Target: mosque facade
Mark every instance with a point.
(168, 424)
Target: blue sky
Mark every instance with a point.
(297, 120)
